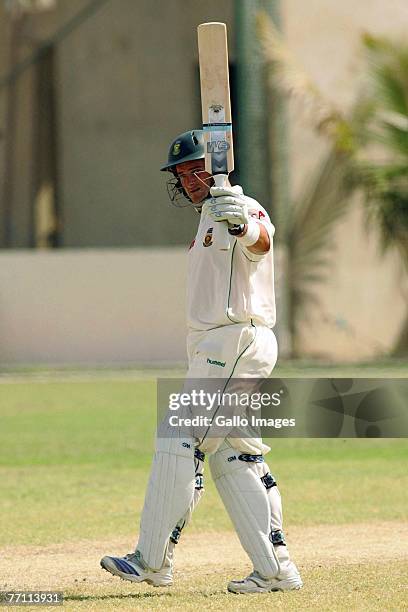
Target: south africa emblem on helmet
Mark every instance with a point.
(208, 238)
(176, 148)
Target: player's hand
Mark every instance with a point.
(227, 204)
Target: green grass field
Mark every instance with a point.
(74, 461)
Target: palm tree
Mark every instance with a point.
(385, 181)
(378, 117)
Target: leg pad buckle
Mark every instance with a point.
(277, 538)
(268, 481)
(199, 454)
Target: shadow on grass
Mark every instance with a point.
(139, 596)
(144, 595)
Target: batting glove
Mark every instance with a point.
(228, 204)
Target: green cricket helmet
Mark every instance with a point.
(186, 147)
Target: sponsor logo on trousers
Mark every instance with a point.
(215, 362)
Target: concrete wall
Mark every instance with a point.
(364, 302)
(118, 306)
(128, 86)
(99, 306)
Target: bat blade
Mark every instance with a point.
(215, 97)
(216, 109)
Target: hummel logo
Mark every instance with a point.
(217, 363)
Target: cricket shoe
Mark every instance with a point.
(130, 568)
(287, 580)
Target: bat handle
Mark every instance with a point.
(222, 237)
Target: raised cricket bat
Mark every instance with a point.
(216, 110)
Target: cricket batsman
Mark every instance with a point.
(230, 315)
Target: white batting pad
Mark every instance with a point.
(170, 492)
(198, 492)
(247, 504)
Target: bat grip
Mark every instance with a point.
(222, 237)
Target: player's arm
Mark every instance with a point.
(263, 242)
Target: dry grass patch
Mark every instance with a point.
(357, 567)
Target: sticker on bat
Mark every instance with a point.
(217, 146)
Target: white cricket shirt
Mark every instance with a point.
(234, 286)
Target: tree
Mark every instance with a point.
(369, 152)
(385, 180)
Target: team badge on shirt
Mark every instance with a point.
(208, 238)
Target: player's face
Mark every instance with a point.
(195, 180)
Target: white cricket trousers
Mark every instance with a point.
(231, 352)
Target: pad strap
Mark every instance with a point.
(268, 481)
(251, 458)
(199, 454)
(277, 538)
